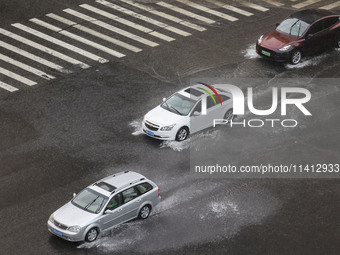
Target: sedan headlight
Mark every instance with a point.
(260, 39)
(285, 48)
(74, 229)
(51, 219)
(167, 128)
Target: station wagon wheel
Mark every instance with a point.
(182, 134)
(229, 116)
(144, 212)
(295, 57)
(91, 235)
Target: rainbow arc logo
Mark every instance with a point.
(209, 93)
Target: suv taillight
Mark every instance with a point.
(159, 192)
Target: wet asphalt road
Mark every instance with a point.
(62, 135)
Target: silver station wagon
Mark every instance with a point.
(103, 205)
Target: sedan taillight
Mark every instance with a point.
(159, 192)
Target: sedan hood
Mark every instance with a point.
(275, 40)
(71, 215)
(163, 117)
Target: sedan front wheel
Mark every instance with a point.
(182, 134)
(295, 57)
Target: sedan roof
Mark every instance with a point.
(311, 15)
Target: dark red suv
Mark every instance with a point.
(301, 34)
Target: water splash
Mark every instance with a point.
(250, 52)
(137, 126)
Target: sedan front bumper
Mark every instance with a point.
(275, 55)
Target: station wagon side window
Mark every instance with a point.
(115, 202)
(129, 194)
(144, 187)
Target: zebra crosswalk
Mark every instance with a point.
(56, 44)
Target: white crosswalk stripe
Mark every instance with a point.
(253, 6)
(34, 57)
(7, 87)
(230, 7)
(60, 43)
(164, 15)
(144, 18)
(112, 28)
(17, 77)
(78, 38)
(94, 33)
(331, 6)
(273, 2)
(305, 3)
(44, 48)
(127, 22)
(26, 67)
(206, 9)
(186, 12)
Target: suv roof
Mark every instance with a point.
(110, 184)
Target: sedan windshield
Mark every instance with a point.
(179, 104)
(293, 27)
(89, 200)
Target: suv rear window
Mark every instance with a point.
(144, 187)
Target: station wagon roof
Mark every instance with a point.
(122, 179)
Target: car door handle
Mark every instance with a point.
(138, 200)
(119, 210)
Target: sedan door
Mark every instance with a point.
(313, 39)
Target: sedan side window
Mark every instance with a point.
(328, 22)
(224, 98)
(129, 194)
(198, 108)
(210, 101)
(115, 202)
(317, 27)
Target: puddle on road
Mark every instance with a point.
(250, 52)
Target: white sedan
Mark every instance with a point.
(181, 113)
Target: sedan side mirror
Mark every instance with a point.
(164, 99)
(277, 24)
(74, 195)
(196, 113)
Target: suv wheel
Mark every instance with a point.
(91, 235)
(182, 134)
(144, 212)
(295, 57)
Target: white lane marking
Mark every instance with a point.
(26, 67)
(330, 6)
(252, 5)
(78, 38)
(186, 13)
(164, 15)
(7, 87)
(17, 77)
(230, 7)
(273, 2)
(34, 57)
(144, 18)
(305, 3)
(60, 43)
(94, 33)
(127, 22)
(44, 48)
(206, 9)
(112, 28)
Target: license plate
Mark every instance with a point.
(57, 232)
(149, 132)
(265, 53)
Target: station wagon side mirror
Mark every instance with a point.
(108, 212)
(74, 195)
(164, 99)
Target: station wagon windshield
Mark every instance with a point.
(179, 104)
(293, 27)
(89, 200)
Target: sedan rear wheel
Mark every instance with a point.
(296, 57)
(182, 134)
(229, 116)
